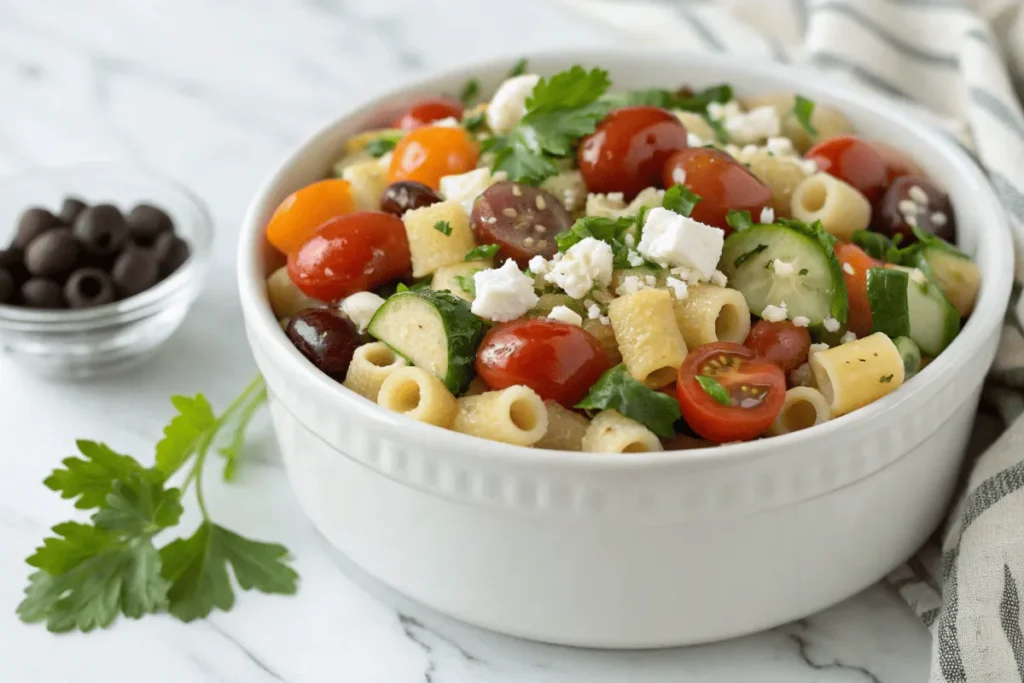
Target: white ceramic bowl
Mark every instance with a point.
(640, 550)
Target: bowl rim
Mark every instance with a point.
(989, 312)
(134, 307)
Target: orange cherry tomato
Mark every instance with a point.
(427, 111)
(351, 254)
(854, 161)
(557, 360)
(721, 182)
(856, 260)
(755, 387)
(783, 343)
(303, 211)
(427, 154)
(897, 163)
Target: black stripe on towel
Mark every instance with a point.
(1009, 618)
(950, 660)
(1000, 110)
(703, 31)
(891, 39)
(832, 60)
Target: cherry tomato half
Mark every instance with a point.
(303, 211)
(897, 163)
(756, 390)
(783, 343)
(427, 154)
(629, 148)
(855, 272)
(721, 182)
(351, 254)
(428, 111)
(854, 161)
(557, 360)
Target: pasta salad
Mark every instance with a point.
(566, 267)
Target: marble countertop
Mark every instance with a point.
(214, 93)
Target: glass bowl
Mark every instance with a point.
(87, 342)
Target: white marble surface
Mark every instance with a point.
(214, 92)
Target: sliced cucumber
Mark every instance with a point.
(933, 320)
(954, 273)
(546, 302)
(911, 355)
(887, 295)
(434, 330)
(812, 284)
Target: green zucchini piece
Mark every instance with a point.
(435, 331)
(887, 295)
(813, 284)
(934, 322)
(911, 355)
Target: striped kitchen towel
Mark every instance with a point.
(955, 63)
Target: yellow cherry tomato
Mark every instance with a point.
(426, 154)
(303, 211)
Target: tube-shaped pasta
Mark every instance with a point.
(696, 124)
(476, 387)
(612, 432)
(709, 314)
(827, 121)
(781, 175)
(371, 364)
(367, 181)
(446, 278)
(285, 298)
(854, 374)
(565, 428)
(429, 247)
(418, 394)
(515, 415)
(604, 334)
(840, 207)
(803, 407)
(649, 339)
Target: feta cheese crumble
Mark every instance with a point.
(918, 277)
(586, 264)
(670, 239)
(360, 307)
(635, 259)
(694, 140)
(782, 268)
(538, 265)
(918, 195)
(775, 314)
(848, 269)
(503, 294)
(767, 215)
(447, 122)
(753, 126)
(564, 314)
(814, 348)
(801, 321)
(847, 338)
(631, 284)
(679, 289)
(464, 188)
(508, 105)
(718, 279)
(831, 324)
(593, 311)
(939, 219)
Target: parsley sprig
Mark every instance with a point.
(89, 574)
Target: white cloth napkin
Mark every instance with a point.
(955, 63)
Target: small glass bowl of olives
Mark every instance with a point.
(98, 267)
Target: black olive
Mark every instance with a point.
(147, 222)
(88, 287)
(171, 252)
(33, 223)
(70, 209)
(919, 202)
(101, 229)
(42, 293)
(52, 254)
(135, 271)
(328, 341)
(406, 195)
(7, 286)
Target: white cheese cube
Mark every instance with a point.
(360, 308)
(464, 188)
(670, 239)
(508, 105)
(564, 314)
(587, 264)
(503, 294)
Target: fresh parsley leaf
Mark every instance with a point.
(699, 101)
(598, 227)
(667, 99)
(746, 256)
(713, 388)
(739, 220)
(482, 252)
(680, 199)
(401, 287)
(91, 479)
(474, 122)
(803, 110)
(237, 427)
(617, 390)
(466, 283)
(185, 432)
(443, 227)
(139, 506)
(469, 92)
(378, 147)
(876, 245)
(519, 68)
(936, 242)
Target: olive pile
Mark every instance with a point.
(88, 255)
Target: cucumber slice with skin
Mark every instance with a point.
(911, 355)
(933, 320)
(887, 295)
(813, 286)
(956, 275)
(435, 331)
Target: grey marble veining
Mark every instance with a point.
(215, 93)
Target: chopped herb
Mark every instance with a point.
(401, 287)
(680, 199)
(610, 230)
(519, 68)
(378, 147)
(484, 251)
(721, 136)
(617, 390)
(803, 271)
(877, 245)
(474, 122)
(443, 227)
(739, 220)
(803, 110)
(936, 242)
(885, 379)
(714, 389)
(469, 92)
(743, 258)
(466, 283)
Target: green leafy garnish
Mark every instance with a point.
(600, 228)
(88, 574)
(482, 252)
(713, 388)
(667, 99)
(935, 242)
(466, 283)
(469, 92)
(519, 68)
(680, 199)
(617, 390)
(803, 110)
(721, 135)
(739, 220)
(378, 147)
(474, 122)
(443, 227)
(877, 245)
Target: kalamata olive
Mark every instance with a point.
(33, 223)
(70, 209)
(521, 219)
(7, 286)
(101, 230)
(134, 271)
(88, 287)
(147, 222)
(42, 293)
(52, 254)
(171, 252)
(912, 200)
(406, 195)
(13, 261)
(325, 339)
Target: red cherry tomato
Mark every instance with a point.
(428, 111)
(855, 272)
(351, 254)
(629, 148)
(854, 161)
(756, 390)
(897, 164)
(557, 360)
(721, 182)
(782, 343)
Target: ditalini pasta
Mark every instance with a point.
(649, 339)
(565, 429)
(758, 271)
(852, 375)
(515, 415)
(841, 209)
(804, 407)
(709, 314)
(371, 365)
(418, 394)
(612, 432)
